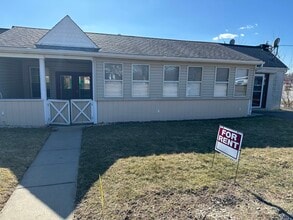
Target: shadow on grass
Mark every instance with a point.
(102, 146)
(18, 149)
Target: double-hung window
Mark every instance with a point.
(113, 80)
(221, 84)
(241, 80)
(193, 81)
(171, 81)
(140, 80)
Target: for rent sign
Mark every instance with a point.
(229, 142)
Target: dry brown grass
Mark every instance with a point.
(18, 148)
(163, 171)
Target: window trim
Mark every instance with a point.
(198, 82)
(104, 75)
(141, 81)
(241, 96)
(164, 67)
(227, 82)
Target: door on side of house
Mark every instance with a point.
(260, 89)
(74, 85)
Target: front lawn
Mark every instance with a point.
(18, 148)
(162, 170)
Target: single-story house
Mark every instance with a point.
(66, 76)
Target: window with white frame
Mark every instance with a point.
(140, 80)
(221, 84)
(193, 81)
(113, 80)
(241, 80)
(171, 81)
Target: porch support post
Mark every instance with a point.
(43, 86)
(94, 84)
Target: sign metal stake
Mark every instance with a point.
(236, 172)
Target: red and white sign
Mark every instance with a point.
(229, 142)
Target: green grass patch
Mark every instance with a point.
(142, 162)
(18, 148)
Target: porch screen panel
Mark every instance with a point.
(35, 82)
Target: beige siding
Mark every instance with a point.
(11, 79)
(156, 80)
(127, 78)
(21, 112)
(208, 81)
(274, 91)
(182, 81)
(122, 111)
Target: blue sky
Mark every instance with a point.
(250, 22)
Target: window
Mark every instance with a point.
(241, 80)
(140, 83)
(113, 80)
(221, 84)
(193, 81)
(35, 83)
(171, 79)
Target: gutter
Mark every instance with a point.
(65, 54)
(271, 70)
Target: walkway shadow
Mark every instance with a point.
(102, 146)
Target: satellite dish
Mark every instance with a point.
(232, 41)
(276, 42)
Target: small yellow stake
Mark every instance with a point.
(101, 192)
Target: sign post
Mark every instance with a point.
(229, 143)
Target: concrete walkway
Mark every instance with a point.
(48, 188)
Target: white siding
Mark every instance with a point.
(123, 111)
(21, 112)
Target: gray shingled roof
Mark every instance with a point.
(3, 30)
(256, 51)
(22, 37)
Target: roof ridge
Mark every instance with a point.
(125, 35)
(241, 45)
(16, 26)
(155, 38)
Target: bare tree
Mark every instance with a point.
(287, 96)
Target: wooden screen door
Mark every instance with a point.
(74, 85)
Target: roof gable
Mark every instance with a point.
(66, 34)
